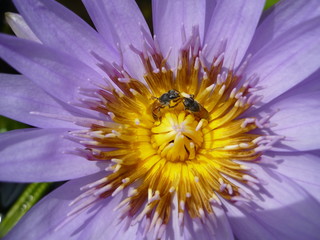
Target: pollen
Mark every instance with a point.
(178, 134)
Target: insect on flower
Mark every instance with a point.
(196, 108)
(172, 96)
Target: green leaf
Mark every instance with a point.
(7, 124)
(31, 195)
(270, 3)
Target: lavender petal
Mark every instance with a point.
(40, 155)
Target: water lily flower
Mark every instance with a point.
(206, 129)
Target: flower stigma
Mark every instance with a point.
(176, 140)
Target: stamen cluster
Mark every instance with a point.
(166, 152)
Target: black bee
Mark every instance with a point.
(196, 108)
(165, 100)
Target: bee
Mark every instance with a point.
(196, 108)
(165, 100)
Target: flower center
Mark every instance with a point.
(177, 136)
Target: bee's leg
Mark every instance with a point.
(156, 112)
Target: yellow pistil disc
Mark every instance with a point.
(176, 138)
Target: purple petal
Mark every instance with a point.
(20, 27)
(297, 119)
(282, 211)
(98, 222)
(42, 220)
(310, 84)
(120, 21)
(284, 16)
(168, 19)
(60, 28)
(19, 96)
(41, 155)
(57, 73)
(235, 23)
(287, 60)
(303, 168)
(215, 226)
(245, 227)
(110, 227)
